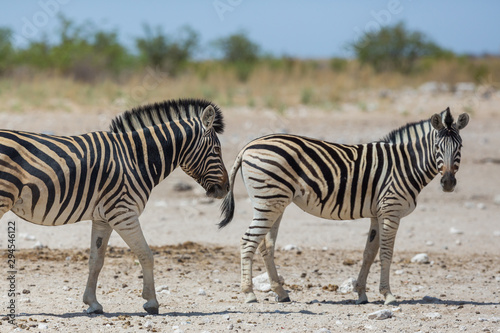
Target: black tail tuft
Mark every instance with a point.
(227, 210)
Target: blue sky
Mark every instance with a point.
(308, 29)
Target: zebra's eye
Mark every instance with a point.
(217, 150)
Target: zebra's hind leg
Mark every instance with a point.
(265, 216)
(388, 230)
(371, 250)
(99, 241)
(131, 233)
(266, 249)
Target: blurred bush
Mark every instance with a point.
(240, 52)
(395, 48)
(6, 50)
(164, 52)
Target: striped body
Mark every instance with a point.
(379, 180)
(62, 180)
(107, 177)
(332, 181)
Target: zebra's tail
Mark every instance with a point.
(227, 206)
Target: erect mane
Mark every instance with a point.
(405, 132)
(164, 112)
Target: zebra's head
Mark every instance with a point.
(204, 163)
(447, 146)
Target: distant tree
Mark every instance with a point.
(171, 54)
(395, 48)
(239, 51)
(6, 49)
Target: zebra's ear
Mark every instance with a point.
(436, 122)
(208, 117)
(462, 121)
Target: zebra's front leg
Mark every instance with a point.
(98, 243)
(266, 249)
(388, 231)
(131, 233)
(371, 250)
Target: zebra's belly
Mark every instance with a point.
(332, 210)
(49, 214)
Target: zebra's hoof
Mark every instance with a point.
(251, 298)
(283, 300)
(390, 299)
(95, 309)
(362, 299)
(151, 307)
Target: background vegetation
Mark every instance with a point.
(87, 65)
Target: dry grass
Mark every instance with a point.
(313, 83)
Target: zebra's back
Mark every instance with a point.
(328, 180)
(56, 180)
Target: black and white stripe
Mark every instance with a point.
(107, 177)
(379, 180)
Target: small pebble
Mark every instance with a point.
(291, 247)
(43, 326)
(433, 315)
(202, 292)
(347, 286)
(38, 245)
(496, 199)
(161, 288)
(261, 282)
(421, 258)
(381, 314)
(455, 231)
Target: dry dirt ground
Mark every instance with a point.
(197, 266)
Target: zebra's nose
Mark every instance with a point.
(448, 182)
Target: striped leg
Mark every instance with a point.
(266, 249)
(371, 250)
(388, 232)
(262, 223)
(131, 233)
(98, 243)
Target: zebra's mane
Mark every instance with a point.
(405, 133)
(164, 112)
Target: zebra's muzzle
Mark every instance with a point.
(217, 191)
(448, 181)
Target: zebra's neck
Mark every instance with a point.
(417, 141)
(162, 148)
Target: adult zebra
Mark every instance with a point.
(107, 177)
(380, 180)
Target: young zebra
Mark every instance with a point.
(107, 177)
(380, 180)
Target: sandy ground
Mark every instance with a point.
(197, 266)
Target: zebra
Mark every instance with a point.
(378, 180)
(108, 176)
